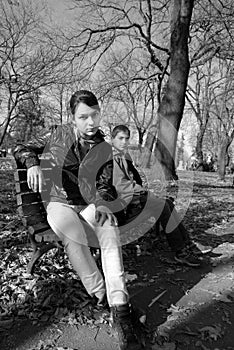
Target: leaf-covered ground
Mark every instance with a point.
(184, 308)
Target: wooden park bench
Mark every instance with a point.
(31, 207)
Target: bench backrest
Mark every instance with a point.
(32, 205)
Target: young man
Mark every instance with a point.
(128, 185)
(80, 199)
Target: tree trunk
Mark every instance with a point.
(222, 157)
(140, 136)
(4, 132)
(199, 153)
(61, 111)
(149, 144)
(10, 108)
(165, 149)
(171, 107)
(5, 127)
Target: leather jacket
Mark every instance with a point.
(77, 178)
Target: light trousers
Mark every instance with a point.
(77, 236)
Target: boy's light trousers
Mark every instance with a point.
(77, 237)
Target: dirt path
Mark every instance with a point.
(59, 336)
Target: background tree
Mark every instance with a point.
(200, 99)
(29, 59)
(223, 110)
(113, 113)
(126, 82)
(142, 26)
(172, 104)
(212, 37)
(29, 118)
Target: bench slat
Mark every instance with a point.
(22, 187)
(47, 236)
(32, 197)
(28, 198)
(32, 209)
(38, 228)
(21, 174)
(34, 220)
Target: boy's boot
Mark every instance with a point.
(122, 323)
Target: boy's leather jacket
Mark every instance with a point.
(77, 179)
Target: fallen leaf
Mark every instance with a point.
(142, 319)
(130, 277)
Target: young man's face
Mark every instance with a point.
(121, 141)
(87, 119)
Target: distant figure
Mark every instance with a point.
(209, 162)
(192, 163)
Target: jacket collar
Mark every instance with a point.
(97, 138)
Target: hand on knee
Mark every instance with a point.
(103, 216)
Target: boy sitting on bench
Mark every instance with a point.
(81, 196)
(128, 185)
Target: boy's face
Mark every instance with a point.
(87, 119)
(121, 141)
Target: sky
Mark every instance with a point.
(59, 10)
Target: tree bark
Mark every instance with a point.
(149, 145)
(198, 150)
(222, 157)
(222, 161)
(10, 108)
(4, 132)
(171, 107)
(140, 136)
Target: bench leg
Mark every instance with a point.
(39, 249)
(37, 253)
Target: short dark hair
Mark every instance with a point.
(84, 96)
(118, 129)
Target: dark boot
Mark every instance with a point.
(122, 323)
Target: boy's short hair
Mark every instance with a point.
(84, 96)
(118, 129)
